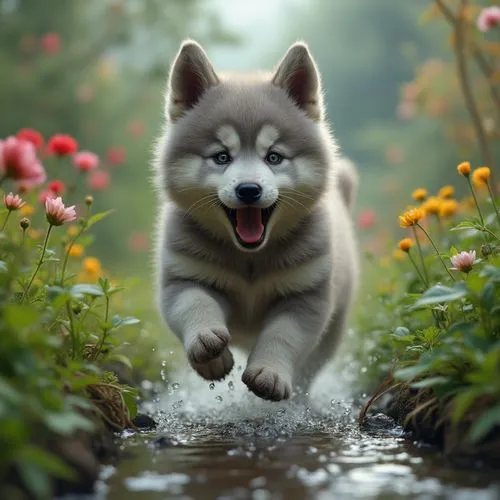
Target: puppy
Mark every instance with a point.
(255, 242)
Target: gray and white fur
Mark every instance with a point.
(285, 296)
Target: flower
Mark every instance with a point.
(116, 156)
(446, 192)
(24, 223)
(85, 161)
(42, 197)
(488, 18)
(432, 205)
(56, 187)
(448, 208)
(73, 230)
(411, 217)
(480, 176)
(92, 267)
(51, 43)
(13, 201)
(464, 168)
(18, 161)
(75, 250)
(463, 261)
(62, 145)
(405, 244)
(419, 194)
(27, 210)
(57, 214)
(366, 219)
(99, 179)
(31, 135)
(398, 254)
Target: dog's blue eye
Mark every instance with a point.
(222, 158)
(274, 158)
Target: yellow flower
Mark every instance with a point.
(399, 254)
(92, 266)
(73, 230)
(411, 217)
(464, 168)
(432, 205)
(27, 210)
(446, 192)
(419, 194)
(448, 208)
(34, 234)
(480, 176)
(405, 244)
(76, 250)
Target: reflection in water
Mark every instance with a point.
(218, 441)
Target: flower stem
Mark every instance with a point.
(66, 256)
(421, 256)
(424, 281)
(437, 251)
(5, 221)
(40, 261)
(475, 200)
(104, 330)
(493, 200)
(72, 331)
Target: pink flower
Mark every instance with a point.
(42, 197)
(99, 180)
(488, 18)
(85, 161)
(116, 156)
(57, 214)
(31, 135)
(18, 161)
(463, 261)
(62, 145)
(366, 219)
(51, 43)
(12, 201)
(56, 187)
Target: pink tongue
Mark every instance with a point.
(249, 224)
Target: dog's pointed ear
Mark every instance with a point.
(298, 75)
(190, 76)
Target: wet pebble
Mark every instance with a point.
(144, 422)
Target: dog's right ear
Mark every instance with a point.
(191, 75)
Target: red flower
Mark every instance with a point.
(366, 219)
(56, 187)
(18, 161)
(99, 179)
(116, 156)
(51, 43)
(85, 161)
(62, 145)
(31, 135)
(138, 242)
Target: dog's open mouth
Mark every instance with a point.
(249, 224)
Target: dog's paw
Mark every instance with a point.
(208, 344)
(267, 383)
(216, 369)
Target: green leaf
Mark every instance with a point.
(463, 402)
(86, 289)
(468, 224)
(97, 217)
(66, 423)
(50, 464)
(430, 382)
(485, 423)
(130, 400)
(440, 293)
(115, 289)
(120, 358)
(411, 372)
(35, 479)
(20, 317)
(118, 322)
(3, 267)
(488, 296)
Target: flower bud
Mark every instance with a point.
(24, 223)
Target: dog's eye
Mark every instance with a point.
(222, 158)
(274, 158)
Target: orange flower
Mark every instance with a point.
(446, 192)
(419, 194)
(405, 244)
(480, 177)
(464, 168)
(448, 208)
(27, 210)
(411, 217)
(432, 205)
(399, 254)
(76, 250)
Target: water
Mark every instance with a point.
(218, 441)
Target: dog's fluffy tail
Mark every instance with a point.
(347, 179)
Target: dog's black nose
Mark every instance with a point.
(248, 193)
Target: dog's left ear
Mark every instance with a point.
(298, 75)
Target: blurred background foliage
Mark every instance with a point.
(97, 69)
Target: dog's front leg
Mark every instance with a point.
(197, 316)
(293, 327)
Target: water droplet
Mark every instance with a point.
(163, 363)
(211, 386)
(175, 386)
(219, 399)
(230, 385)
(364, 369)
